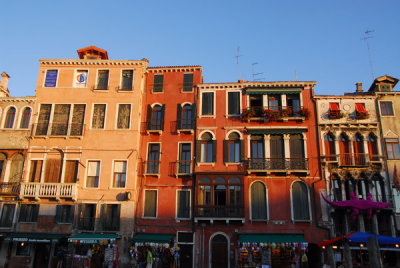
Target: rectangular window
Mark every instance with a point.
(60, 119)
(80, 78)
(127, 80)
(102, 80)
(71, 171)
(183, 209)
(392, 147)
(23, 249)
(207, 151)
(153, 159)
(7, 215)
(87, 216)
(184, 166)
(187, 82)
(78, 116)
(234, 151)
(207, 103)
(51, 78)
(99, 115)
(233, 103)
(110, 217)
(28, 213)
(43, 120)
(124, 116)
(150, 203)
(93, 173)
(35, 171)
(158, 83)
(119, 174)
(65, 213)
(386, 108)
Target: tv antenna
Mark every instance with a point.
(366, 37)
(253, 73)
(237, 61)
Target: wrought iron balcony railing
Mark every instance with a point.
(183, 167)
(208, 211)
(48, 190)
(152, 167)
(58, 129)
(275, 112)
(360, 159)
(261, 164)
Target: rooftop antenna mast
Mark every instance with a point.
(237, 61)
(367, 36)
(253, 73)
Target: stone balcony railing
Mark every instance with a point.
(48, 190)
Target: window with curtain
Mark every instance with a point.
(119, 174)
(99, 115)
(51, 78)
(124, 116)
(93, 173)
(300, 202)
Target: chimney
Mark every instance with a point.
(4, 85)
(240, 81)
(359, 88)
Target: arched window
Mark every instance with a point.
(3, 162)
(358, 148)
(207, 149)
(297, 159)
(337, 188)
(10, 118)
(258, 201)
(17, 164)
(330, 150)
(26, 115)
(53, 170)
(372, 147)
(300, 202)
(345, 150)
(156, 118)
(187, 117)
(232, 148)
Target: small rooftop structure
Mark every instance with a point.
(92, 53)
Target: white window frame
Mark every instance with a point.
(266, 200)
(177, 203)
(97, 82)
(120, 81)
(105, 117)
(45, 76)
(201, 103)
(87, 170)
(76, 72)
(227, 103)
(112, 173)
(20, 116)
(144, 203)
(291, 202)
(3, 121)
(116, 117)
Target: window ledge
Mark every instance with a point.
(101, 90)
(186, 91)
(206, 164)
(152, 175)
(191, 131)
(157, 92)
(233, 163)
(124, 129)
(149, 218)
(182, 219)
(116, 188)
(159, 132)
(207, 116)
(302, 221)
(232, 115)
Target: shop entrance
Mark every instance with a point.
(186, 252)
(219, 252)
(42, 255)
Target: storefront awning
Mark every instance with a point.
(272, 238)
(34, 237)
(360, 237)
(92, 238)
(273, 91)
(276, 131)
(153, 238)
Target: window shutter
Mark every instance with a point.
(179, 116)
(58, 213)
(22, 213)
(71, 214)
(162, 116)
(194, 115)
(102, 219)
(258, 202)
(149, 111)
(117, 217)
(226, 151)
(35, 213)
(198, 151)
(78, 116)
(214, 151)
(242, 150)
(79, 220)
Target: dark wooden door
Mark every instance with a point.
(219, 252)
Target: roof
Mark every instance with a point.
(384, 78)
(92, 50)
(271, 84)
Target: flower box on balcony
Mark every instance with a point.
(248, 113)
(335, 114)
(305, 113)
(362, 115)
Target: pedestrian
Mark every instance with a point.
(60, 257)
(304, 261)
(149, 258)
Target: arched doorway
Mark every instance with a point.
(219, 251)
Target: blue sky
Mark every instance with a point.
(320, 40)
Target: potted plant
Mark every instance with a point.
(305, 113)
(362, 115)
(248, 113)
(335, 114)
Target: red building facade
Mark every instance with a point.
(257, 176)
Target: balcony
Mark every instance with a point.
(275, 113)
(207, 212)
(353, 160)
(86, 223)
(152, 168)
(9, 188)
(48, 190)
(277, 164)
(57, 129)
(181, 168)
(111, 225)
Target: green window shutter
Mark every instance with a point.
(149, 111)
(150, 205)
(179, 116)
(300, 201)
(102, 219)
(258, 201)
(242, 155)
(226, 151)
(79, 221)
(187, 82)
(58, 213)
(71, 214)
(194, 115)
(117, 217)
(214, 151)
(22, 213)
(35, 213)
(198, 151)
(162, 116)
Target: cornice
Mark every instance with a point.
(169, 69)
(92, 62)
(275, 84)
(330, 97)
(18, 99)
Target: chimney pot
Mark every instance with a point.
(4, 92)
(240, 81)
(359, 88)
